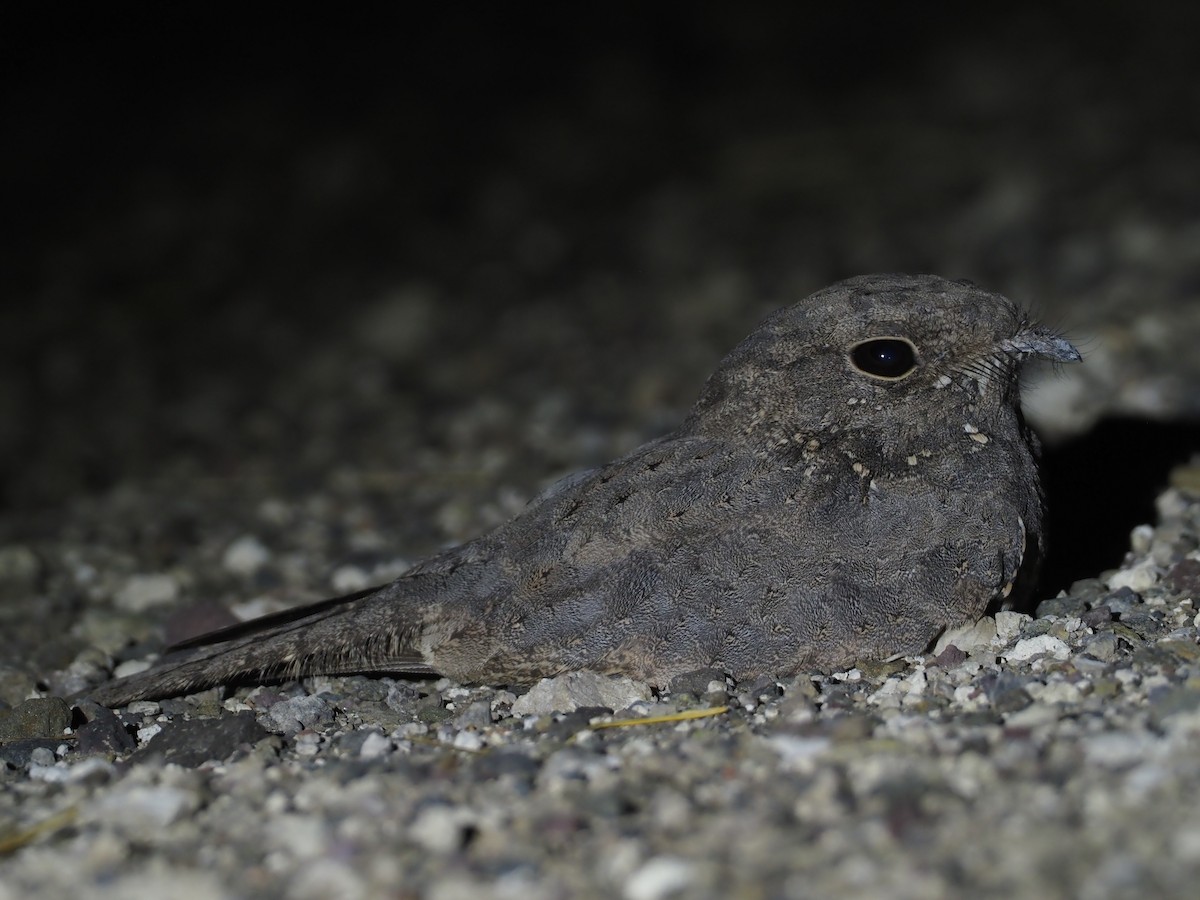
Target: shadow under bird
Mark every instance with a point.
(855, 478)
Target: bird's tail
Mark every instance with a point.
(357, 633)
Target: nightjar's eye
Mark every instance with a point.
(890, 358)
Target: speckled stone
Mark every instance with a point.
(39, 718)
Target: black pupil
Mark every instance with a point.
(885, 357)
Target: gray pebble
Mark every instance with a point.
(295, 714)
(1103, 646)
(1006, 691)
(476, 715)
(573, 690)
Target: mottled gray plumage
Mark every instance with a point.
(807, 513)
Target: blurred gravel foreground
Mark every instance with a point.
(290, 307)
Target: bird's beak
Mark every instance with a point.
(1034, 340)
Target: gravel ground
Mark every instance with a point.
(283, 330)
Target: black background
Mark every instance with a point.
(198, 203)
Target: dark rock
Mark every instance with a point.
(1122, 601)
(950, 657)
(430, 710)
(1064, 607)
(765, 688)
(1184, 577)
(1005, 691)
(18, 754)
(103, 734)
(1097, 616)
(189, 743)
(1145, 623)
(175, 706)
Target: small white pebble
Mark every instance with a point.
(131, 667)
(467, 740)
(798, 752)
(1054, 692)
(92, 766)
(323, 878)
(660, 877)
(1138, 579)
(440, 829)
(969, 696)
(410, 730)
(1118, 750)
(1036, 715)
(374, 746)
(49, 774)
(275, 511)
(245, 556)
(1041, 645)
(1141, 538)
(143, 808)
(968, 637)
(1185, 845)
(348, 579)
(142, 592)
(308, 743)
(1009, 624)
(255, 607)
